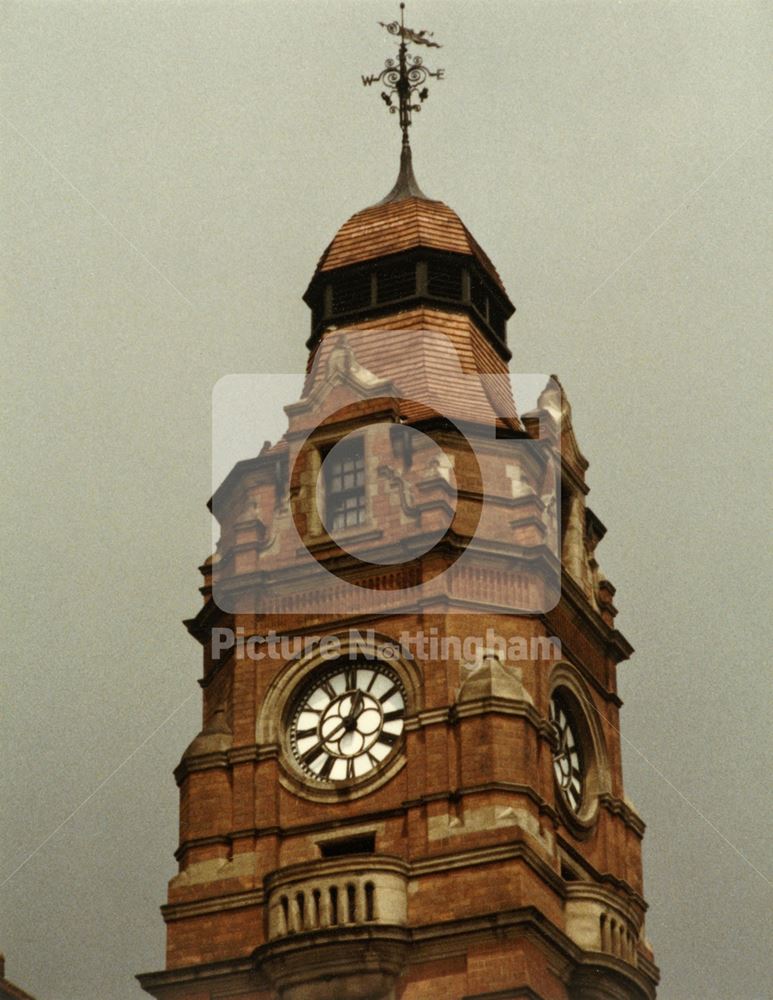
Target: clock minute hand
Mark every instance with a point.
(354, 708)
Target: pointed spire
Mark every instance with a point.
(406, 185)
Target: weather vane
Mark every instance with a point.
(405, 78)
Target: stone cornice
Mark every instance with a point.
(610, 639)
(619, 979)
(446, 715)
(453, 937)
(473, 857)
(213, 904)
(286, 581)
(601, 878)
(439, 940)
(364, 819)
(589, 678)
(221, 840)
(201, 762)
(241, 970)
(629, 816)
(430, 717)
(448, 861)
(501, 706)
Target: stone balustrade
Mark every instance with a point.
(597, 919)
(342, 892)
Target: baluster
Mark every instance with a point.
(295, 917)
(360, 903)
(324, 909)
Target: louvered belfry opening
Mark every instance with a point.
(400, 254)
(395, 280)
(444, 280)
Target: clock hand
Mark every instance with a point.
(357, 705)
(332, 733)
(313, 752)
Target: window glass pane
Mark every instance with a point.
(345, 486)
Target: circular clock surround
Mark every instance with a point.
(346, 722)
(581, 774)
(568, 763)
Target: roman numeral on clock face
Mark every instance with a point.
(311, 755)
(327, 767)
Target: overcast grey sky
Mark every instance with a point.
(172, 172)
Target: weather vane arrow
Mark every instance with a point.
(405, 78)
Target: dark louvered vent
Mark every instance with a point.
(478, 295)
(351, 291)
(396, 281)
(445, 280)
(497, 322)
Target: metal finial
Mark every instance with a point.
(407, 76)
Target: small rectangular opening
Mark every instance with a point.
(568, 874)
(363, 843)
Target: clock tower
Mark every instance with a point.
(408, 784)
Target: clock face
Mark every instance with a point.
(567, 757)
(348, 720)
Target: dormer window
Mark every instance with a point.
(345, 485)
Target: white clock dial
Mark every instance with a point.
(348, 720)
(567, 756)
